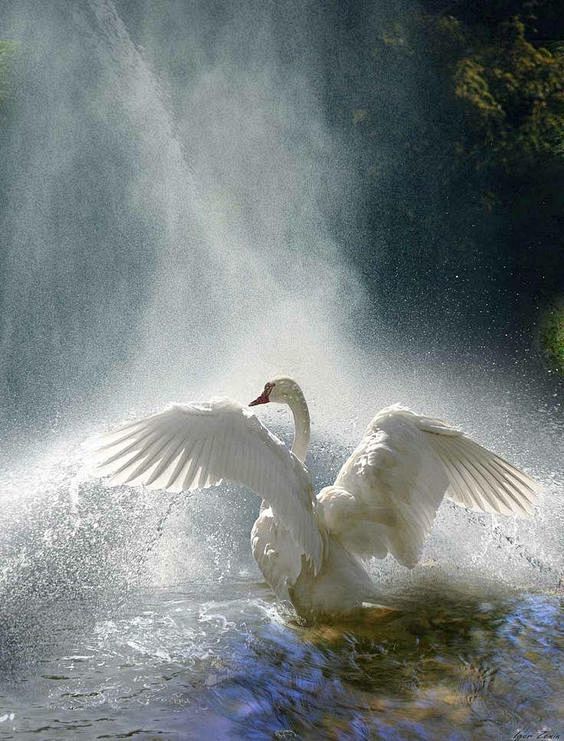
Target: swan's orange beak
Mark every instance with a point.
(262, 399)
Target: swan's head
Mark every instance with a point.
(280, 390)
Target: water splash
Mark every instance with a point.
(167, 239)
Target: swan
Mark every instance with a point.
(310, 549)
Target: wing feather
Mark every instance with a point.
(196, 446)
(387, 493)
(183, 460)
(526, 487)
(467, 490)
(492, 484)
(393, 485)
(168, 457)
(504, 499)
(201, 475)
(192, 466)
(148, 455)
(116, 438)
(132, 446)
(478, 487)
(488, 503)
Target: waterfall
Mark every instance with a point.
(162, 241)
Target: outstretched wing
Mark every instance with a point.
(386, 495)
(195, 446)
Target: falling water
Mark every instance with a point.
(169, 187)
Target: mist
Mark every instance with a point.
(173, 184)
(170, 232)
(183, 216)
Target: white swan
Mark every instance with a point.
(384, 499)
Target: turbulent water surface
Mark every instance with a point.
(169, 188)
(126, 612)
(451, 665)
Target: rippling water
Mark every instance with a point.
(178, 663)
(131, 613)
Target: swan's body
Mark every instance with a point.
(384, 499)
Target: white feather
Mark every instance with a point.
(384, 499)
(387, 493)
(195, 446)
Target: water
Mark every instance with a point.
(127, 612)
(171, 666)
(179, 664)
(169, 189)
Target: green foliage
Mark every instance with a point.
(502, 94)
(461, 122)
(513, 97)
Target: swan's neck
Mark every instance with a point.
(298, 405)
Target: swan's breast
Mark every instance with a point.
(276, 552)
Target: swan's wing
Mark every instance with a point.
(479, 479)
(387, 493)
(195, 446)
